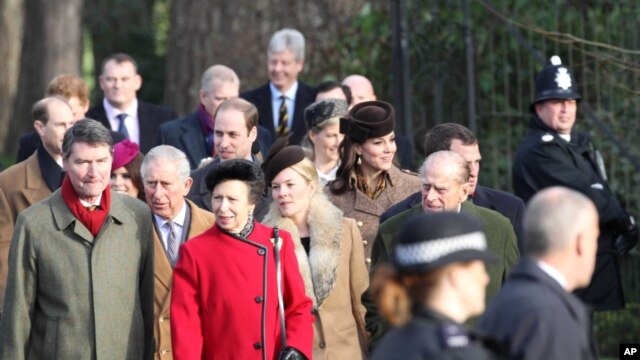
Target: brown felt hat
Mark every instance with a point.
(367, 120)
(281, 156)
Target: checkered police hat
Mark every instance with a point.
(430, 241)
(555, 81)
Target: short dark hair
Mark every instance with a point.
(120, 58)
(440, 136)
(330, 85)
(242, 170)
(86, 131)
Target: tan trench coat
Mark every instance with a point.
(201, 220)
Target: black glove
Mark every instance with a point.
(628, 239)
(291, 354)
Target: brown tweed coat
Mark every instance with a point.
(21, 186)
(201, 220)
(355, 204)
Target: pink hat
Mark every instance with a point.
(123, 153)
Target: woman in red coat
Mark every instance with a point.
(224, 303)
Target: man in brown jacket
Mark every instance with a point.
(35, 178)
(165, 173)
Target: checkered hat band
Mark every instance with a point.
(432, 250)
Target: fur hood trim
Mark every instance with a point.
(319, 269)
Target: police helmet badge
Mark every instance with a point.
(554, 81)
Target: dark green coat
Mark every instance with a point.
(72, 296)
(501, 240)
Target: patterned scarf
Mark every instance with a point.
(372, 193)
(246, 231)
(93, 220)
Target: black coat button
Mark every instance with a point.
(261, 252)
(257, 346)
(259, 299)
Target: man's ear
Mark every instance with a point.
(39, 126)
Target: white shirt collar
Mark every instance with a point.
(112, 112)
(95, 203)
(553, 273)
(289, 94)
(178, 220)
(566, 137)
(325, 178)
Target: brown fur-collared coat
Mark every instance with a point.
(201, 220)
(334, 276)
(355, 204)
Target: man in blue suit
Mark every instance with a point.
(281, 101)
(459, 139)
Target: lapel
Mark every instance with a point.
(265, 108)
(192, 139)
(482, 197)
(35, 188)
(99, 113)
(303, 99)
(364, 204)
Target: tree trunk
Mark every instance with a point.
(51, 45)
(236, 34)
(11, 20)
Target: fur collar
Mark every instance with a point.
(319, 269)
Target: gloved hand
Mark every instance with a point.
(291, 354)
(628, 239)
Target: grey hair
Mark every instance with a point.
(550, 220)
(220, 74)
(448, 159)
(167, 153)
(287, 39)
(86, 131)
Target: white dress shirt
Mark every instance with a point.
(178, 221)
(131, 122)
(276, 101)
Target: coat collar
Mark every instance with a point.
(34, 181)
(319, 268)
(63, 217)
(527, 269)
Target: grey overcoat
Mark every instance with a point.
(72, 296)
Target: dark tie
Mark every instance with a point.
(283, 118)
(121, 128)
(173, 243)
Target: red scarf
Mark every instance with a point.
(93, 220)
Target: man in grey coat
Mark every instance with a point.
(80, 282)
(534, 313)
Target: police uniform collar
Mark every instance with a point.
(450, 333)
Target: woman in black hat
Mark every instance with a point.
(328, 248)
(367, 182)
(436, 283)
(324, 138)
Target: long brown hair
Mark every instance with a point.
(348, 158)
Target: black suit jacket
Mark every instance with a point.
(30, 142)
(186, 135)
(150, 116)
(261, 98)
(510, 206)
(537, 319)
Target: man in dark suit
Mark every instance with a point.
(361, 89)
(459, 139)
(35, 178)
(235, 132)
(281, 101)
(535, 314)
(120, 110)
(194, 133)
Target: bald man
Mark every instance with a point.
(535, 314)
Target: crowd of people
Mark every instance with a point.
(286, 222)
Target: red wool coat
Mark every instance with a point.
(224, 288)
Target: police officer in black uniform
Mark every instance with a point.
(553, 153)
(436, 283)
